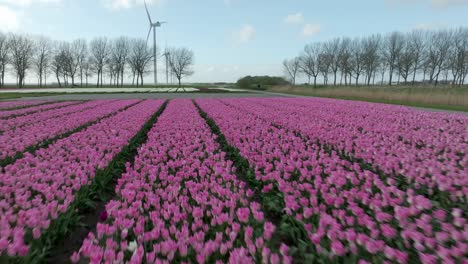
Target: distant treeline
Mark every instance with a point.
(73, 63)
(260, 82)
(420, 56)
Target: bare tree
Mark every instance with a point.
(345, 60)
(22, 48)
(438, 53)
(80, 56)
(42, 59)
(119, 57)
(4, 56)
(140, 56)
(308, 62)
(100, 54)
(357, 58)
(405, 60)
(392, 48)
(180, 62)
(371, 56)
(87, 69)
(291, 69)
(324, 64)
(458, 56)
(75, 53)
(333, 50)
(59, 61)
(416, 41)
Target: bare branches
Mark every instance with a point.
(436, 54)
(291, 68)
(4, 56)
(22, 48)
(42, 58)
(139, 58)
(180, 62)
(100, 54)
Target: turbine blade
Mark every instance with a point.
(149, 32)
(147, 12)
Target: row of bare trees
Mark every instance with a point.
(434, 57)
(70, 63)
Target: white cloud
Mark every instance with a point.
(311, 29)
(8, 19)
(297, 18)
(126, 4)
(245, 34)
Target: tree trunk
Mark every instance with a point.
(414, 74)
(334, 81)
(3, 76)
(58, 79)
(391, 76)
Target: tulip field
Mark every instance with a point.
(238, 180)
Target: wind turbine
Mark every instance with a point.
(153, 27)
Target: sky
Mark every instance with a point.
(230, 38)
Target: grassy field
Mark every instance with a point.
(6, 96)
(93, 86)
(443, 97)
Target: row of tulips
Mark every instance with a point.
(424, 150)
(29, 110)
(37, 189)
(18, 140)
(10, 105)
(181, 202)
(349, 213)
(19, 121)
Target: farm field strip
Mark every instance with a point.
(347, 211)
(19, 140)
(424, 151)
(12, 105)
(181, 202)
(37, 189)
(34, 109)
(13, 123)
(101, 90)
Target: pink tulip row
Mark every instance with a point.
(38, 188)
(25, 111)
(17, 140)
(181, 202)
(427, 149)
(16, 104)
(348, 212)
(19, 121)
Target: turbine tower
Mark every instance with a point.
(153, 27)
